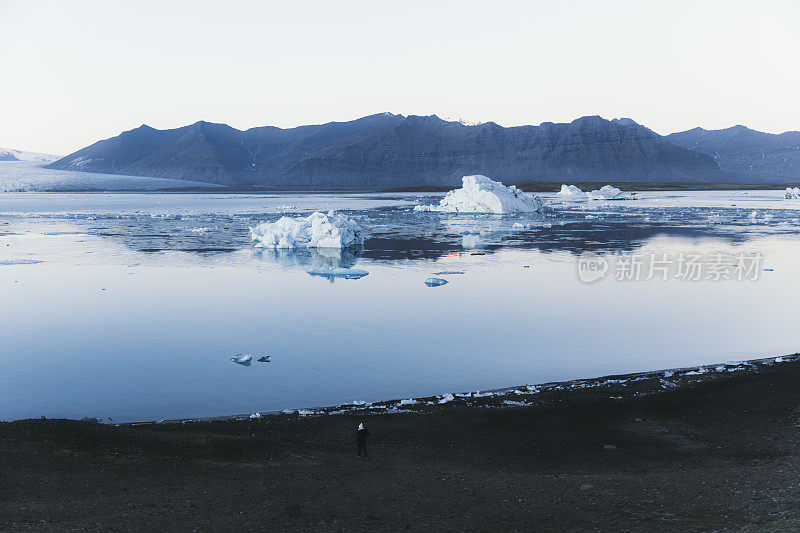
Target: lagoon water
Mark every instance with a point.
(129, 306)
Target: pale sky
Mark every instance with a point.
(74, 72)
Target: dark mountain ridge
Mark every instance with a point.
(747, 154)
(385, 150)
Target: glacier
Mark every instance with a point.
(28, 175)
(314, 231)
(480, 194)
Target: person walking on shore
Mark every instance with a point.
(361, 439)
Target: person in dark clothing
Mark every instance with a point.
(361, 439)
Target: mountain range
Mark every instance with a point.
(746, 154)
(385, 150)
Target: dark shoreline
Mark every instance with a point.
(677, 450)
(646, 383)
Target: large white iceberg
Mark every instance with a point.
(792, 193)
(479, 194)
(609, 192)
(570, 191)
(314, 231)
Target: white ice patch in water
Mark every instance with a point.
(242, 359)
(609, 192)
(314, 231)
(338, 272)
(480, 194)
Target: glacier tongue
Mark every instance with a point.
(480, 194)
(314, 231)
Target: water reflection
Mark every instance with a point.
(396, 234)
(311, 258)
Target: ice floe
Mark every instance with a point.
(338, 272)
(435, 282)
(317, 230)
(480, 194)
(609, 192)
(242, 359)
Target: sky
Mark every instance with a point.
(74, 72)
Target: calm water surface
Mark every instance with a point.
(129, 306)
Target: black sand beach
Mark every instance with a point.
(681, 451)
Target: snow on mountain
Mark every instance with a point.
(10, 154)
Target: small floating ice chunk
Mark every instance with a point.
(479, 194)
(435, 282)
(314, 231)
(609, 192)
(338, 272)
(255, 415)
(792, 193)
(242, 359)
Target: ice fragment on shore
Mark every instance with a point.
(255, 415)
(408, 402)
(479, 194)
(314, 231)
(447, 398)
(512, 402)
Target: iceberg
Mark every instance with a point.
(609, 192)
(570, 191)
(479, 194)
(792, 193)
(314, 231)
